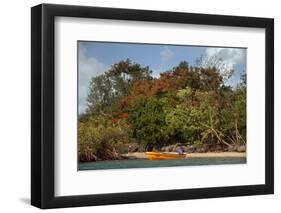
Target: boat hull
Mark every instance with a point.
(164, 156)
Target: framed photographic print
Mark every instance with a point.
(139, 106)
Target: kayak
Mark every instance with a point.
(164, 155)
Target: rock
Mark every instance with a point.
(190, 149)
(231, 149)
(174, 148)
(241, 148)
(133, 147)
(200, 150)
(219, 148)
(224, 148)
(115, 155)
(205, 147)
(168, 148)
(183, 148)
(87, 158)
(141, 148)
(212, 149)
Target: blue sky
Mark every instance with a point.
(96, 58)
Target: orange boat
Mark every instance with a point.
(164, 155)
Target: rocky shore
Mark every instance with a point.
(136, 151)
(142, 155)
(190, 149)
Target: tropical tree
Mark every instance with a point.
(100, 94)
(148, 121)
(124, 73)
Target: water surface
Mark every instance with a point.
(144, 163)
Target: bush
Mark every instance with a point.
(182, 123)
(148, 120)
(99, 142)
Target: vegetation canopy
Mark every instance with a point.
(189, 105)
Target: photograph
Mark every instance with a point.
(160, 105)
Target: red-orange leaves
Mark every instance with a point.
(119, 118)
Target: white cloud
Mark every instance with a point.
(156, 72)
(155, 75)
(166, 54)
(229, 56)
(87, 68)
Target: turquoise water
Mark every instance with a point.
(143, 163)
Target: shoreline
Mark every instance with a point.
(142, 155)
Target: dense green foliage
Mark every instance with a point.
(187, 104)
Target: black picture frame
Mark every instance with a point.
(43, 105)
